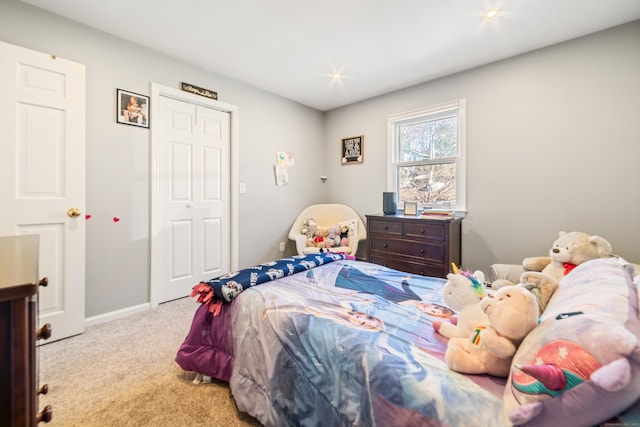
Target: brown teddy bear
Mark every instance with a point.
(319, 237)
(512, 313)
(568, 251)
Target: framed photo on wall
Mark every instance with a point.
(132, 108)
(352, 150)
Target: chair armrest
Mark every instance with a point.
(301, 241)
(353, 244)
(511, 272)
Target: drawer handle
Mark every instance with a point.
(44, 389)
(44, 333)
(421, 251)
(45, 415)
(386, 245)
(44, 281)
(386, 227)
(422, 231)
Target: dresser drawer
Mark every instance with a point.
(408, 266)
(385, 227)
(409, 248)
(428, 231)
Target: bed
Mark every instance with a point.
(343, 342)
(322, 340)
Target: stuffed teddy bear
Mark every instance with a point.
(540, 285)
(344, 235)
(333, 237)
(309, 229)
(568, 251)
(512, 313)
(319, 237)
(463, 293)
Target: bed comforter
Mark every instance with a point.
(344, 344)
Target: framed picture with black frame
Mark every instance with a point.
(132, 108)
(352, 150)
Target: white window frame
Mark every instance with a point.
(427, 113)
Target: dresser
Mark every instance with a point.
(18, 332)
(425, 246)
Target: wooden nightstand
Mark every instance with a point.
(18, 334)
(425, 246)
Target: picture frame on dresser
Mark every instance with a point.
(410, 208)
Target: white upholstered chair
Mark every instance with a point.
(326, 215)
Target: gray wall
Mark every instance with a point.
(553, 138)
(553, 143)
(118, 155)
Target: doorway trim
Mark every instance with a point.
(157, 91)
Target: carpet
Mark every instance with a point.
(123, 373)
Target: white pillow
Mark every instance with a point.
(352, 224)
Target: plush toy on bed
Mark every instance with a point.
(463, 293)
(581, 365)
(540, 285)
(512, 313)
(568, 251)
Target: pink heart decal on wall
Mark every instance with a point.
(87, 216)
(116, 219)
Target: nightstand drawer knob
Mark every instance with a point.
(386, 227)
(421, 251)
(386, 245)
(423, 231)
(44, 333)
(45, 415)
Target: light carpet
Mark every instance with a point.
(123, 373)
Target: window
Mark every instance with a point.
(427, 156)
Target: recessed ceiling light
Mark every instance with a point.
(336, 76)
(491, 13)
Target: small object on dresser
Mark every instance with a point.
(389, 203)
(410, 208)
(433, 213)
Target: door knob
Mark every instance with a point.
(73, 213)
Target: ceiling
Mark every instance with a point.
(292, 47)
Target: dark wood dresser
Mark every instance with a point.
(18, 313)
(425, 246)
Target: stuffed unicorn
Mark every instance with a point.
(463, 293)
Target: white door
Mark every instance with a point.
(193, 210)
(42, 174)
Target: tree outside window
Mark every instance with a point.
(427, 149)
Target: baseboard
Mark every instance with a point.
(118, 314)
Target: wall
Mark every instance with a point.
(553, 143)
(118, 155)
(553, 140)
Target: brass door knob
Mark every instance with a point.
(73, 213)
